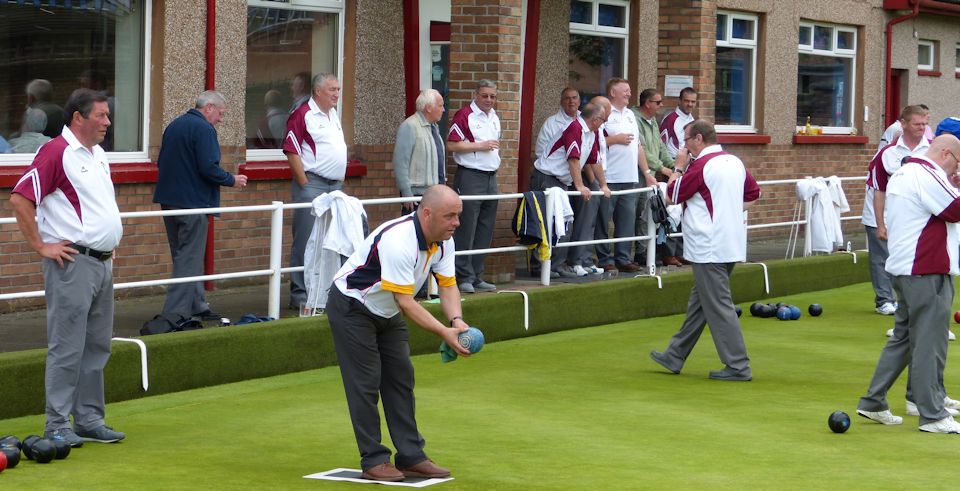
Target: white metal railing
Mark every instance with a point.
(276, 208)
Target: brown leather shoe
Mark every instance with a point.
(672, 261)
(629, 267)
(609, 267)
(383, 472)
(426, 469)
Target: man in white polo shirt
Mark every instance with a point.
(715, 189)
(882, 166)
(924, 206)
(371, 294)
(625, 163)
(317, 154)
(67, 211)
(474, 139)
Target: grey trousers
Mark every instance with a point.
(623, 210)
(79, 326)
(541, 182)
(374, 357)
(187, 237)
(920, 339)
(881, 279)
(711, 303)
(302, 228)
(585, 214)
(476, 222)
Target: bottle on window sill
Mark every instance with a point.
(808, 130)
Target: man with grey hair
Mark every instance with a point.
(31, 132)
(418, 155)
(190, 177)
(474, 139)
(40, 96)
(317, 154)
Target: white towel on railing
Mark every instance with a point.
(828, 202)
(337, 231)
(559, 202)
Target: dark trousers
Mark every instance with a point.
(187, 237)
(374, 357)
(476, 221)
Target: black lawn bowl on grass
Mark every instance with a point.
(839, 422)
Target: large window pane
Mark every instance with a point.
(593, 61)
(823, 90)
(734, 78)
(49, 49)
(284, 47)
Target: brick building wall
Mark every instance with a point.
(485, 44)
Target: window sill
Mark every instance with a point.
(743, 139)
(830, 140)
(134, 173)
(146, 172)
(279, 170)
(928, 73)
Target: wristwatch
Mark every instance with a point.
(455, 318)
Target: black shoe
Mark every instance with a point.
(661, 360)
(209, 315)
(730, 376)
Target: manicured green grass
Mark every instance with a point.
(580, 409)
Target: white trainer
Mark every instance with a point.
(912, 409)
(951, 403)
(566, 271)
(887, 309)
(593, 269)
(882, 417)
(580, 271)
(945, 425)
(890, 332)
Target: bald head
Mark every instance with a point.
(945, 151)
(602, 102)
(439, 213)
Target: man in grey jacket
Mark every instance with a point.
(418, 156)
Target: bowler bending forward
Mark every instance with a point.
(371, 294)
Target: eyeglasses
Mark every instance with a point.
(686, 138)
(658, 102)
(487, 96)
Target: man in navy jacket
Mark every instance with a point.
(190, 177)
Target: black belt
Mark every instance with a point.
(486, 172)
(324, 179)
(86, 251)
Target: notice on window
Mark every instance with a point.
(673, 84)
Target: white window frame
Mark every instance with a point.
(139, 156)
(933, 55)
(731, 42)
(325, 6)
(835, 53)
(596, 30)
(957, 58)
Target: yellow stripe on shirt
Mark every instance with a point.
(445, 280)
(395, 288)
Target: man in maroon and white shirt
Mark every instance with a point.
(564, 164)
(67, 211)
(924, 207)
(671, 128)
(317, 154)
(884, 164)
(474, 139)
(715, 189)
